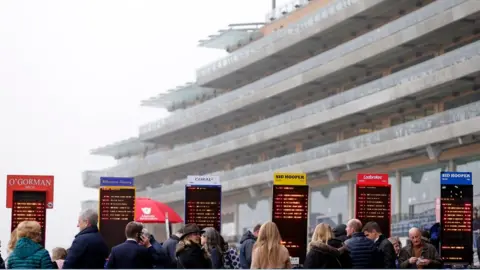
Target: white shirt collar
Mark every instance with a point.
(131, 239)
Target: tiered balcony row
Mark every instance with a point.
(406, 83)
(380, 46)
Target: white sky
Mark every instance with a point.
(72, 74)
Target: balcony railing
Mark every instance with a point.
(170, 158)
(261, 47)
(224, 103)
(459, 114)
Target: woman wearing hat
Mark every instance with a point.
(190, 254)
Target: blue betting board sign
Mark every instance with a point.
(456, 178)
(117, 182)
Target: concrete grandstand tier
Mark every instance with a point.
(426, 27)
(442, 129)
(236, 36)
(124, 148)
(181, 97)
(297, 41)
(449, 72)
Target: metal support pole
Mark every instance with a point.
(274, 4)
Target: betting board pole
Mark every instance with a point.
(203, 201)
(116, 208)
(456, 234)
(373, 201)
(30, 196)
(290, 210)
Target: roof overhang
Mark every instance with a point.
(123, 148)
(184, 93)
(235, 36)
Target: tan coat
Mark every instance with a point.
(283, 263)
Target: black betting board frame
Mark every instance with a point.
(113, 230)
(203, 199)
(295, 240)
(456, 246)
(33, 202)
(382, 213)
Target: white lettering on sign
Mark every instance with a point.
(456, 175)
(376, 177)
(203, 180)
(29, 182)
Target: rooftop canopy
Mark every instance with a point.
(236, 36)
(187, 93)
(282, 11)
(124, 148)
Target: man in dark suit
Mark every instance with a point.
(88, 250)
(135, 253)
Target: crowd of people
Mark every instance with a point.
(353, 245)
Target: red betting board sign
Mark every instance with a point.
(373, 200)
(30, 183)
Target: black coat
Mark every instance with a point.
(130, 255)
(322, 256)
(170, 245)
(387, 252)
(192, 256)
(88, 250)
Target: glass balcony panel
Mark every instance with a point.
(222, 103)
(403, 130)
(404, 76)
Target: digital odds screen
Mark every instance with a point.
(456, 237)
(203, 206)
(117, 209)
(290, 213)
(29, 205)
(373, 203)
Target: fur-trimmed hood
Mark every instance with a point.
(319, 246)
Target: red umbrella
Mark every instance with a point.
(150, 211)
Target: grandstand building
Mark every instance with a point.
(329, 88)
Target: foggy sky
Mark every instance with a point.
(72, 74)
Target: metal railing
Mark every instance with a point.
(403, 130)
(404, 76)
(262, 45)
(224, 102)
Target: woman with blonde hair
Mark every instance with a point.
(28, 253)
(321, 255)
(268, 252)
(58, 257)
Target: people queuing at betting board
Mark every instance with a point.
(351, 245)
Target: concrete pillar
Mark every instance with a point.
(452, 166)
(236, 220)
(398, 192)
(351, 199)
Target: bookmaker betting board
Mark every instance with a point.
(456, 235)
(117, 208)
(203, 201)
(373, 200)
(29, 205)
(290, 210)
